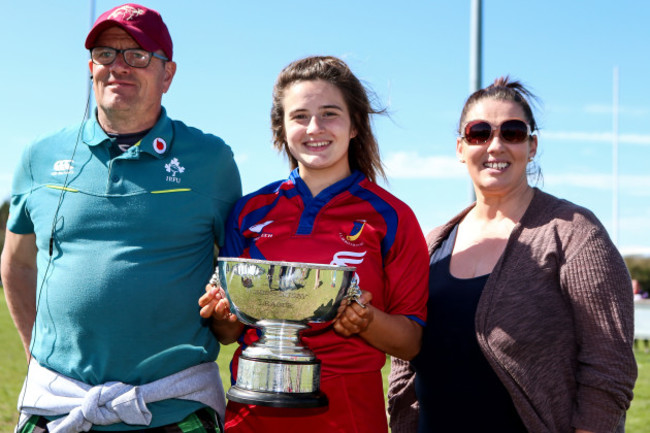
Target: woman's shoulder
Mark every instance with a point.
(549, 209)
(437, 234)
(553, 223)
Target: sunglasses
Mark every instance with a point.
(511, 131)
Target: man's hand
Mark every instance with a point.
(214, 305)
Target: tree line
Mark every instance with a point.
(639, 266)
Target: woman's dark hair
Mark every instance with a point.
(505, 89)
(363, 153)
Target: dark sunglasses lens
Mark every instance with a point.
(514, 131)
(477, 133)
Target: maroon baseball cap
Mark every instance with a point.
(143, 24)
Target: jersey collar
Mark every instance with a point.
(331, 191)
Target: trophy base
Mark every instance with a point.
(277, 399)
(277, 383)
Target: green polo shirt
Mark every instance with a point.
(132, 240)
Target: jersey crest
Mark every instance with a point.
(353, 237)
(357, 228)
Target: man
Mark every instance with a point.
(110, 242)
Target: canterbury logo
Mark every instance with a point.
(63, 166)
(357, 228)
(347, 258)
(126, 12)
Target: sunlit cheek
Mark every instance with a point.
(294, 132)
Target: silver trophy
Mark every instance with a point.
(281, 298)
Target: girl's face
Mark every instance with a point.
(318, 129)
(496, 167)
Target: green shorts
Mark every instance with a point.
(202, 421)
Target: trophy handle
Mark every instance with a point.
(214, 279)
(354, 292)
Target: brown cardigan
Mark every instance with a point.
(555, 321)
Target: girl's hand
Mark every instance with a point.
(352, 318)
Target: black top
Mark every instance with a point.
(457, 389)
(123, 142)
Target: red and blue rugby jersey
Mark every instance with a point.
(353, 222)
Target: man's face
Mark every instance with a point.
(123, 91)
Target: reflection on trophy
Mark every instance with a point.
(281, 298)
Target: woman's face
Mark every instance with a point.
(318, 129)
(497, 168)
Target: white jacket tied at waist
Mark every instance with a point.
(48, 393)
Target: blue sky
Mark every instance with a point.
(413, 54)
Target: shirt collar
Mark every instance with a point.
(157, 142)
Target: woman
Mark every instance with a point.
(530, 304)
(328, 209)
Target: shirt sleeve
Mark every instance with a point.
(234, 241)
(19, 221)
(600, 290)
(403, 406)
(406, 269)
(230, 191)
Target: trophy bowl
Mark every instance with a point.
(281, 299)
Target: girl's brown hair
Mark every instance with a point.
(363, 153)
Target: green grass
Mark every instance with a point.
(638, 417)
(14, 367)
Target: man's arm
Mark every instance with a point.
(19, 280)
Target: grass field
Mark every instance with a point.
(14, 367)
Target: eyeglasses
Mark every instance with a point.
(136, 57)
(511, 131)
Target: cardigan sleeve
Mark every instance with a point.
(403, 407)
(599, 287)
